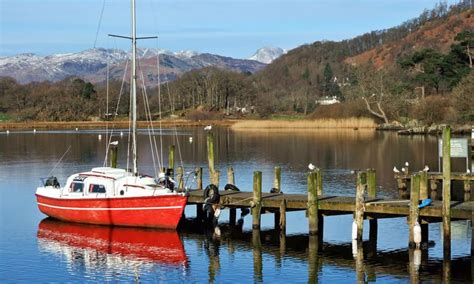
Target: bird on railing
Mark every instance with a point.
(426, 168)
(395, 170)
(208, 128)
(311, 167)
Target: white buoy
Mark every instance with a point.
(100, 136)
(8, 131)
(34, 131)
(417, 258)
(354, 230)
(190, 139)
(417, 234)
(354, 248)
(121, 133)
(77, 129)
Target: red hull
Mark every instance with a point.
(152, 211)
(133, 243)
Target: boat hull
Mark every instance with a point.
(150, 211)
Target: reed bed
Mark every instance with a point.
(343, 123)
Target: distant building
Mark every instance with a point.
(325, 101)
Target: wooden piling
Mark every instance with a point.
(283, 217)
(312, 204)
(215, 177)
(171, 161)
(113, 155)
(210, 152)
(467, 190)
(319, 181)
(434, 189)
(180, 178)
(372, 194)
(257, 257)
(446, 211)
(313, 261)
(232, 211)
(199, 210)
(424, 194)
(414, 211)
(359, 203)
(257, 199)
(277, 179)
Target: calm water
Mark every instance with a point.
(33, 248)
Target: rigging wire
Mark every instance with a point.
(100, 22)
(175, 129)
(69, 148)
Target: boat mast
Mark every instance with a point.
(133, 92)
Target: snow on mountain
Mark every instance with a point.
(91, 64)
(267, 54)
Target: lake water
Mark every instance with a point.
(36, 249)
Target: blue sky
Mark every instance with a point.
(226, 27)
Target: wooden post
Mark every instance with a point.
(113, 155)
(171, 161)
(210, 152)
(277, 179)
(199, 211)
(434, 189)
(313, 261)
(319, 181)
(257, 257)
(372, 194)
(283, 217)
(359, 203)
(180, 177)
(257, 199)
(312, 204)
(414, 201)
(467, 189)
(424, 194)
(232, 211)
(215, 177)
(446, 192)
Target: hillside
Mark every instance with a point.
(438, 35)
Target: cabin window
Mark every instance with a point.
(97, 188)
(77, 187)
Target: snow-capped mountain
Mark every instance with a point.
(91, 64)
(267, 54)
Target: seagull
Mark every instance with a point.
(426, 168)
(406, 164)
(404, 170)
(208, 128)
(395, 170)
(311, 167)
(114, 143)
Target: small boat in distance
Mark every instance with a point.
(110, 196)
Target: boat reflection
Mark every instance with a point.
(106, 247)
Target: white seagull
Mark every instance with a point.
(395, 170)
(426, 168)
(114, 143)
(208, 128)
(311, 167)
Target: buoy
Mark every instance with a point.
(77, 129)
(190, 139)
(354, 248)
(121, 133)
(354, 230)
(8, 131)
(100, 137)
(417, 258)
(417, 234)
(217, 231)
(34, 131)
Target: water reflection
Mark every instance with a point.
(103, 248)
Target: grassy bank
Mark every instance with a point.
(349, 123)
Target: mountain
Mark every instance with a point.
(267, 54)
(91, 64)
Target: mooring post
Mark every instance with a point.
(313, 261)
(359, 203)
(171, 161)
(446, 192)
(257, 256)
(283, 217)
(199, 211)
(312, 204)
(210, 153)
(319, 190)
(424, 194)
(113, 155)
(467, 189)
(180, 177)
(215, 177)
(257, 200)
(277, 179)
(372, 194)
(232, 211)
(414, 212)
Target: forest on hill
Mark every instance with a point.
(418, 71)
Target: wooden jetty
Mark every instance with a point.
(363, 205)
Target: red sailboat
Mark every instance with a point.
(132, 244)
(110, 196)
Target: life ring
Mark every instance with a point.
(231, 187)
(211, 194)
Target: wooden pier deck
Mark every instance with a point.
(338, 205)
